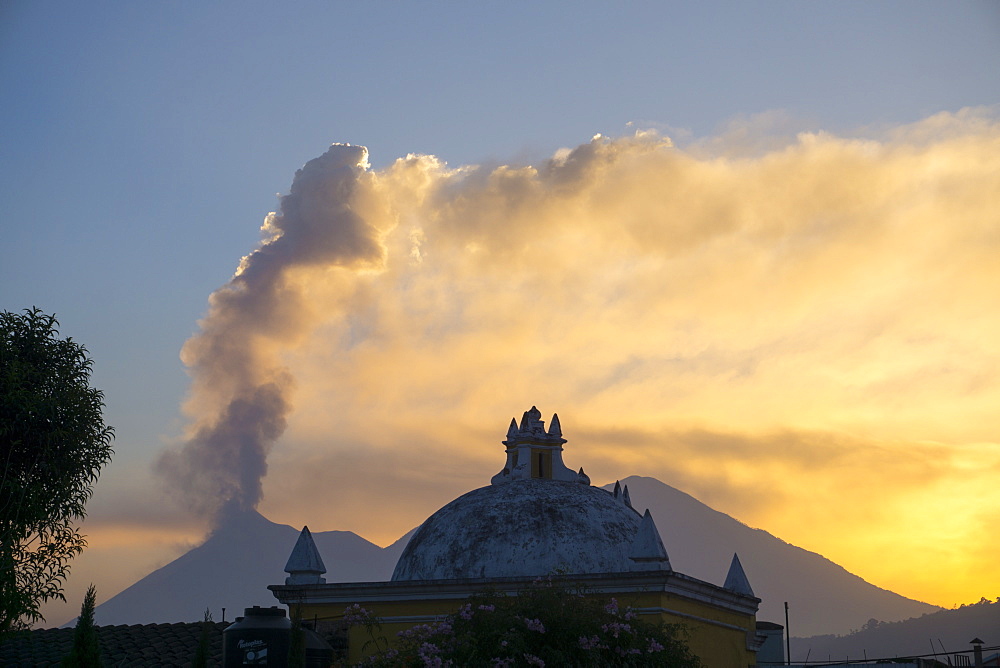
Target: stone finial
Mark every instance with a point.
(626, 499)
(618, 489)
(736, 579)
(531, 421)
(304, 565)
(647, 551)
(582, 477)
(555, 429)
(512, 430)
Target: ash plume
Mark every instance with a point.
(240, 394)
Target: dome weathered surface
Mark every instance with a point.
(523, 528)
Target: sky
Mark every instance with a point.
(748, 249)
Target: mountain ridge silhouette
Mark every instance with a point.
(247, 552)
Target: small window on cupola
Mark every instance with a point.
(541, 464)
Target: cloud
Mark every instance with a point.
(792, 327)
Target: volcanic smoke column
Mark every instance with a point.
(240, 390)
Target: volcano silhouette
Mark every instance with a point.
(232, 569)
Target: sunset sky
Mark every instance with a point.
(749, 249)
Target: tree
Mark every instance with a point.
(53, 443)
(86, 652)
(297, 647)
(204, 642)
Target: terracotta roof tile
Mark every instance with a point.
(164, 645)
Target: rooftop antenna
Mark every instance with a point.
(944, 651)
(223, 615)
(788, 640)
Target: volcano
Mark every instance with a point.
(232, 569)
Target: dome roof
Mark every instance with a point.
(531, 527)
(537, 517)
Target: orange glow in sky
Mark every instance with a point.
(806, 337)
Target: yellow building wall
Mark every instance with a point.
(363, 643)
(714, 640)
(709, 632)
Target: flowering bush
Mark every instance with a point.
(543, 626)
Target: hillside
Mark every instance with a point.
(952, 629)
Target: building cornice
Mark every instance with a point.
(632, 582)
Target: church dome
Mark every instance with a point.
(536, 518)
(524, 528)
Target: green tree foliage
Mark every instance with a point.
(297, 647)
(53, 443)
(86, 652)
(543, 626)
(201, 654)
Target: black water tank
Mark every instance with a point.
(260, 638)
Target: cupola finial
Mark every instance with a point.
(555, 429)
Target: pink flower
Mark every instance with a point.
(534, 660)
(615, 628)
(418, 631)
(534, 625)
(428, 653)
(355, 614)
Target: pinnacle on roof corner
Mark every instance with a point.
(305, 565)
(736, 579)
(647, 550)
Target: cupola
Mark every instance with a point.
(534, 453)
